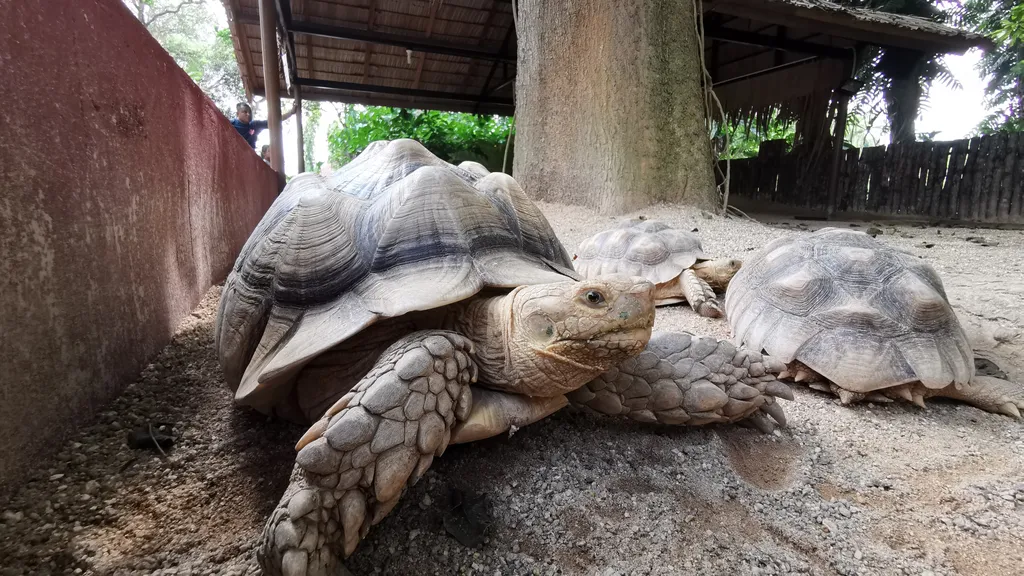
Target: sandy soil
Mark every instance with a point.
(873, 489)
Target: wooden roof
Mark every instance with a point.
(459, 55)
(463, 52)
(783, 53)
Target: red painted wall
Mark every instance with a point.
(124, 195)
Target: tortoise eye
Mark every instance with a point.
(594, 297)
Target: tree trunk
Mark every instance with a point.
(903, 68)
(902, 101)
(609, 105)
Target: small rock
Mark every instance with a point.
(12, 516)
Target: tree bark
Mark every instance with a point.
(903, 102)
(609, 105)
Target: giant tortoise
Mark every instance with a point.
(860, 319)
(404, 304)
(671, 258)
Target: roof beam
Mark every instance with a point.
(395, 90)
(368, 53)
(435, 5)
(483, 36)
(416, 44)
(371, 99)
(766, 71)
(494, 67)
(284, 19)
(243, 46)
(853, 25)
(777, 42)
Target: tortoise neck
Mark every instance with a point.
(487, 322)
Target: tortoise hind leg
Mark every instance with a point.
(700, 295)
(354, 463)
(990, 394)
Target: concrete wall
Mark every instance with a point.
(124, 194)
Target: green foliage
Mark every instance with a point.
(900, 78)
(745, 139)
(451, 136)
(1011, 28)
(1003, 22)
(310, 121)
(187, 30)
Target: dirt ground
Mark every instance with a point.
(863, 490)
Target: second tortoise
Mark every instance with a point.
(672, 259)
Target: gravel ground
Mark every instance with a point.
(872, 489)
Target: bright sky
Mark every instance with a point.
(953, 113)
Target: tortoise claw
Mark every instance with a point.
(779, 390)
(1010, 409)
(774, 409)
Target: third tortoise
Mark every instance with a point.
(858, 318)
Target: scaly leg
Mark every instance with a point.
(990, 394)
(690, 380)
(700, 295)
(355, 462)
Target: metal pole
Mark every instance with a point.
(271, 79)
(298, 128)
(837, 149)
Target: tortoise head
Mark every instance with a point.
(717, 273)
(562, 335)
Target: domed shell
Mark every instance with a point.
(860, 313)
(645, 248)
(394, 231)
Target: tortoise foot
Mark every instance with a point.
(297, 538)
(355, 462)
(991, 394)
(700, 295)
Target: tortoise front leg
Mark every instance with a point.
(689, 380)
(355, 462)
(699, 295)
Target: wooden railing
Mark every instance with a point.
(978, 179)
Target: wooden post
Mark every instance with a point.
(271, 76)
(298, 128)
(837, 150)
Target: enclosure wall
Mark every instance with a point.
(124, 195)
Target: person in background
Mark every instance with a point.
(250, 129)
(265, 153)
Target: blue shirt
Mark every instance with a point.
(249, 131)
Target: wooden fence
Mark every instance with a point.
(978, 179)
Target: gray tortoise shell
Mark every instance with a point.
(394, 231)
(647, 248)
(858, 312)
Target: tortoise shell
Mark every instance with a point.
(860, 313)
(636, 247)
(394, 231)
